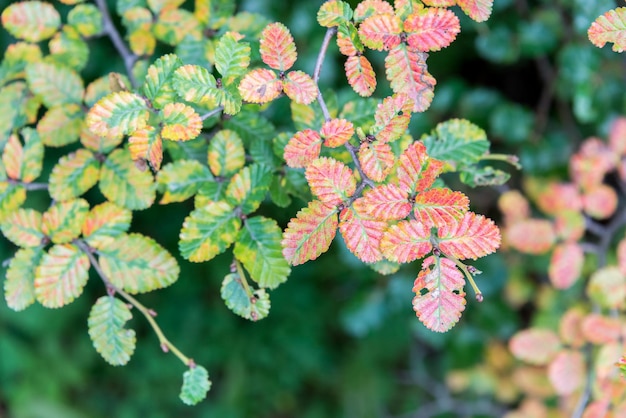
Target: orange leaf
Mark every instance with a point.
(369, 8)
(531, 236)
(347, 40)
(386, 202)
(439, 3)
(566, 265)
(472, 237)
(330, 180)
(381, 31)
(431, 29)
(278, 49)
(407, 73)
(535, 345)
(12, 157)
(361, 233)
(438, 207)
(600, 202)
(376, 160)
(180, 122)
(336, 132)
(260, 86)
(557, 197)
(360, 75)
(567, 372)
(303, 148)
(146, 144)
(416, 170)
(392, 117)
(406, 241)
(600, 329)
(479, 10)
(300, 87)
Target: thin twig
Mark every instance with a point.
(30, 186)
(330, 32)
(212, 112)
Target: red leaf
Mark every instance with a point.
(277, 47)
(310, 233)
(392, 118)
(472, 237)
(531, 236)
(300, 87)
(361, 233)
(440, 298)
(330, 180)
(566, 265)
(369, 8)
(407, 73)
(600, 201)
(567, 372)
(416, 170)
(386, 202)
(431, 29)
(260, 86)
(479, 10)
(438, 207)
(303, 148)
(406, 241)
(535, 345)
(336, 132)
(360, 75)
(381, 31)
(376, 160)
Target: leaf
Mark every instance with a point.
(457, 141)
(258, 249)
(334, 12)
(330, 180)
(369, 8)
(232, 58)
(62, 222)
(386, 202)
(104, 223)
(348, 40)
(599, 329)
(600, 201)
(61, 275)
(253, 306)
(392, 118)
(479, 10)
(61, 125)
(336, 132)
(431, 29)
(300, 87)
(416, 170)
(87, 20)
(567, 372)
(404, 8)
(54, 84)
(117, 114)
(124, 184)
(362, 233)
(181, 180)
(208, 231)
(196, 384)
(73, 175)
(12, 196)
(610, 27)
(360, 75)
(23, 228)
(251, 127)
(406, 241)
(377, 160)
(536, 346)
(137, 264)
(278, 49)
(531, 236)
(67, 48)
(260, 86)
(229, 98)
(19, 287)
(180, 122)
(439, 298)
(247, 188)
(303, 148)
(381, 31)
(439, 207)
(226, 153)
(472, 236)
(106, 321)
(607, 288)
(566, 265)
(310, 233)
(23, 162)
(311, 116)
(158, 86)
(407, 73)
(194, 84)
(33, 21)
(146, 144)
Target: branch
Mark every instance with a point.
(330, 32)
(29, 186)
(212, 112)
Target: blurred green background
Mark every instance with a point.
(341, 340)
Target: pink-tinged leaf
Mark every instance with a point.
(439, 3)
(610, 27)
(376, 160)
(369, 8)
(567, 372)
(387, 202)
(557, 197)
(570, 225)
(566, 265)
(348, 40)
(180, 122)
(431, 29)
(260, 86)
(591, 164)
(336, 132)
(407, 73)
(531, 236)
(334, 12)
(416, 170)
(535, 345)
(600, 409)
(406, 241)
(146, 144)
(23, 228)
(360, 75)
(278, 49)
(514, 206)
(438, 207)
(607, 288)
(300, 87)
(570, 328)
(621, 256)
(617, 136)
(440, 298)
(310, 233)
(600, 329)
(381, 32)
(303, 148)
(12, 157)
(392, 118)
(479, 10)
(361, 233)
(330, 180)
(600, 202)
(473, 236)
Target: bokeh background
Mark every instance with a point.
(341, 340)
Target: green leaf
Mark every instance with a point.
(229, 98)
(278, 191)
(158, 86)
(196, 384)
(195, 149)
(124, 184)
(61, 125)
(483, 176)
(16, 57)
(32, 155)
(253, 306)
(12, 196)
(61, 275)
(102, 86)
(14, 107)
(182, 179)
(173, 25)
(360, 112)
(19, 286)
(196, 51)
(226, 153)
(180, 122)
(210, 192)
(86, 18)
(73, 175)
(208, 231)
(258, 249)
(23, 228)
(247, 188)
(33, 21)
(118, 114)
(195, 84)
(106, 329)
(250, 126)
(62, 222)
(457, 141)
(104, 223)
(54, 84)
(67, 48)
(137, 264)
(232, 58)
